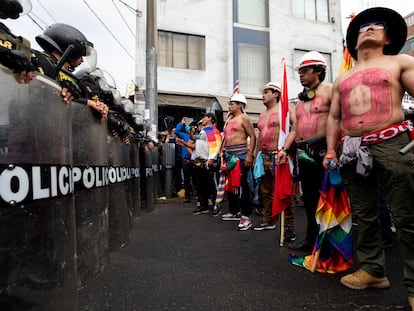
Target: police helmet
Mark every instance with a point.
(59, 36)
(14, 8)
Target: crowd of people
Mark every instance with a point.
(64, 49)
(359, 122)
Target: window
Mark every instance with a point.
(181, 50)
(317, 10)
(252, 12)
(300, 53)
(253, 67)
(408, 46)
(409, 20)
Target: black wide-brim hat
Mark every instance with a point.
(396, 29)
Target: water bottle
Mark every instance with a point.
(334, 175)
(305, 157)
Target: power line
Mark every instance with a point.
(29, 15)
(135, 11)
(106, 27)
(47, 12)
(129, 28)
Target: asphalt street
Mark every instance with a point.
(179, 261)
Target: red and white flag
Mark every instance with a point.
(236, 89)
(282, 195)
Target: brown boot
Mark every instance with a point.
(361, 280)
(411, 301)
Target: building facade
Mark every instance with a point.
(408, 101)
(205, 46)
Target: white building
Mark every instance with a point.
(205, 45)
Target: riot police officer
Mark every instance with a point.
(64, 48)
(15, 50)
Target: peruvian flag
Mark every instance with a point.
(282, 195)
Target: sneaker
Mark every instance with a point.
(230, 216)
(361, 280)
(303, 246)
(245, 223)
(264, 226)
(215, 212)
(290, 234)
(200, 210)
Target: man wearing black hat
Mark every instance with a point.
(366, 109)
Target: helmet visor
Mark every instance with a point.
(26, 5)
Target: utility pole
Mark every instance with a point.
(151, 98)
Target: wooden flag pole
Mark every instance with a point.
(315, 260)
(282, 228)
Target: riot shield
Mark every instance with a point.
(90, 161)
(37, 219)
(119, 216)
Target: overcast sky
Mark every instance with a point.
(111, 24)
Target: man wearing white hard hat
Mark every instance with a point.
(311, 114)
(239, 158)
(269, 127)
(366, 111)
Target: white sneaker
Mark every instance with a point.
(230, 216)
(245, 223)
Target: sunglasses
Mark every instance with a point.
(304, 69)
(373, 25)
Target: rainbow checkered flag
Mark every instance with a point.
(222, 178)
(332, 252)
(347, 60)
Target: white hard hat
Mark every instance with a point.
(270, 85)
(238, 98)
(312, 58)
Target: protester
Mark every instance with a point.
(366, 110)
(269, 126)
(205, 162)
(311, 114)
(238, 158)
(182, 131)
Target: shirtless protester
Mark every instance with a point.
(366, 110)
(311, 114)
(269, 127)
(238, 156)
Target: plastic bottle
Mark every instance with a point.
(305, 157)
(334, 175)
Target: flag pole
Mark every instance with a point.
(315, 260)
(282, 228)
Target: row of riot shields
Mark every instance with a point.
(68, 192)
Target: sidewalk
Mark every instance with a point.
(178, 261)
